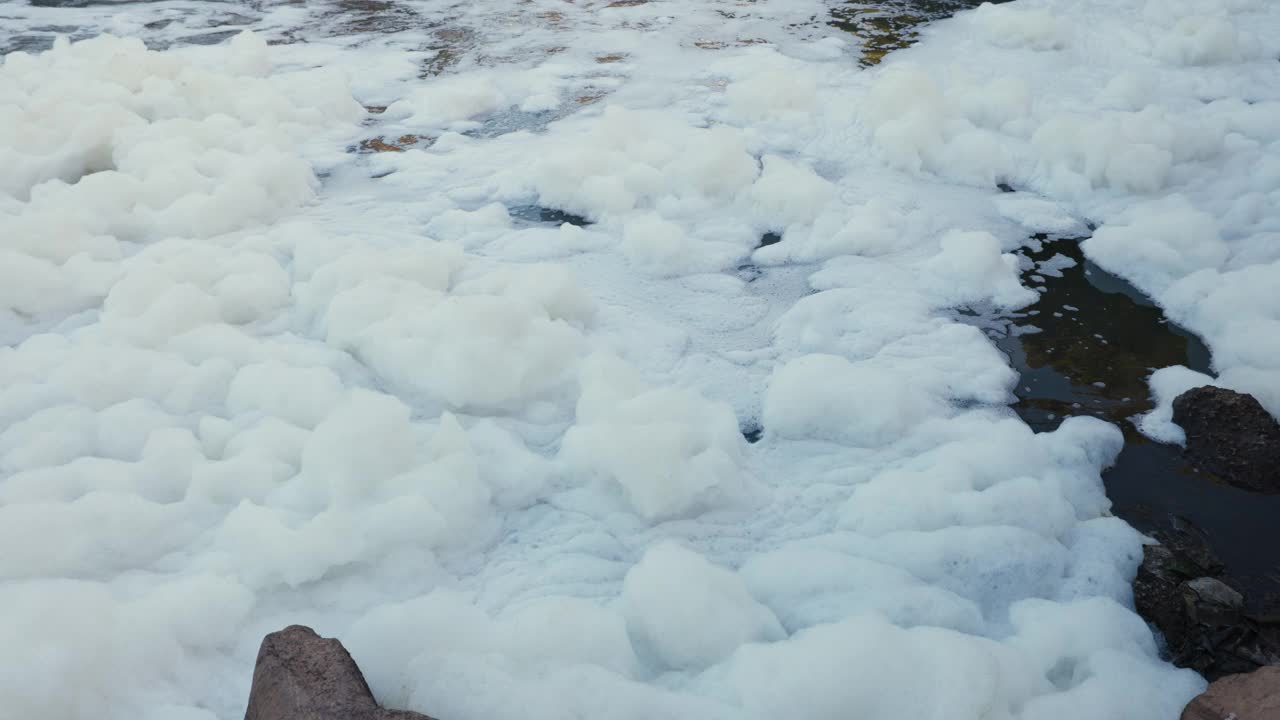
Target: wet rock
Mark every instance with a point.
(1211, 592)
(1184, 553)
(1230, 435)
(302, 676)
(1215, 626)
(1251, 696)
(1191, 545)
(1205, 622)
(1155, 592)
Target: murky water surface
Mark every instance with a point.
(1087, 347)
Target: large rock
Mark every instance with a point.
(302, 676)
(1251, 696)
(1230, 435)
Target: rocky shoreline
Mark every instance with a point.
(1207, 624)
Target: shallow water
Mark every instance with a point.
(1087, 347)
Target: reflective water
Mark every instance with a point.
(1087, 347)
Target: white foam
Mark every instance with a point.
(670, 451)
(503, 460)
(1167, 384)
(829, 398)
(712, 615)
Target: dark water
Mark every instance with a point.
(1087, 348)
(553, 216)
(769, 238)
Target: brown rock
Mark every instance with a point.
(302, 676)
(1232, 436)
(1251, 696)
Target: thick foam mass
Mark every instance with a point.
(635, 388)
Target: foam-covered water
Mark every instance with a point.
(252, 379)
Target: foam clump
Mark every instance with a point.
(827, 397)
(808, 586)
(640, 159)
(420, 651)
(1204, 40)
(953, 130)
(657, 244)
(788, 193)
(972, 269)
(866, 315)
(669, 450)
(1166, 385)
(711, 616)
(1012, 26)
(769, 87)
(872, 229)
(936, 670)
(167, 148)
(1159, 242)
(964, 490)
(1038, 215)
